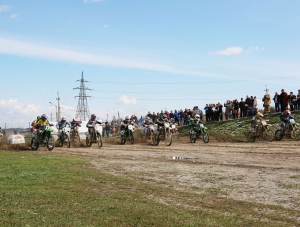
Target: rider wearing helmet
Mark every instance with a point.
(93, 120)
(125, 123)
(61, 124)
(41, 120)
(75, 123)
(161, 120)
(285, 116)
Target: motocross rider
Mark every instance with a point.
(74, 123)
(41, 120)
(61, 124)
(195, 122)
(285, 116)
(256, 120)
(146, 123)
(161, 120)
(125, 122)
(92, 121)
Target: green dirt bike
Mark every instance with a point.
(199, 131)
(38, 140)
(127, 134)
(289, 129)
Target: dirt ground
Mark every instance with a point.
(263, 172)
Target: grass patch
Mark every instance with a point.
(295, 177)
(48, 190)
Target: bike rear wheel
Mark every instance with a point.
(269, 135)
(131, 138)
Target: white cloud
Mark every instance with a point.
(252, 49)
(229, 51)
(126, 100)
(12, 106)
(19, 48)
(91, 1)
(14, 16)
(4, 8)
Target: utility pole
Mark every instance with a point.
(266, 89)
(58, 107)
(82, 112)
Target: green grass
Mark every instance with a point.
(38, 189)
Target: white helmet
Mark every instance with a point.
(197, 116)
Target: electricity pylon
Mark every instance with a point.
(82, 112)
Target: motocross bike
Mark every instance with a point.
(174, 130)
(38, 140)
(163, 133)
(64, 137)
(289, 129)
(199, 131)
(260, 129)
(93, 135)
(74, 135)
(148, 131)
(127, 133)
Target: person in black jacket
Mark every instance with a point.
(242, 108)
(283, 98)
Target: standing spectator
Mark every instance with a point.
(210, 112)
(181, 116)
(206, 112)
(242, 108)
(176, 117)
(255, 104)
(251, 102)
(150, 115)
(276, 100)
(247, 100)
(236, 109)
(153, 117)
(283, 100)
(292, 100)
(220, 107)
(201, 114)
(267, 102)
(171, 114)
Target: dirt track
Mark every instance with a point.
(263, 172)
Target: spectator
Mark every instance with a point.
(181, 116)
(220, 108)
(236, 109)
(292, 100)
(267, 102)
(255, 104)
(276, 100)
(242, 108)
(171, 114)
(283, 100)
(206, 112)
(298, 100)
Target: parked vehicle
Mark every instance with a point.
(93, 135)
(38, 140)
(260, 129)
(163, 133)
(289, 129)
(127, 133)
(198, 132)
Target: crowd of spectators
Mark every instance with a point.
(233, 109)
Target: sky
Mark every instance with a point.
(141, 56)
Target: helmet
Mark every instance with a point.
(259, 114)
(74, 119)
(93, 116)
(164, 115)
(287, 112)
(63, 119)
(148, 118)
(126, 118)
(197, 116)
(172, 120)
(44, 117)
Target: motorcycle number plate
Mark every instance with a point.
(130, 127)
(167, 125)
(173, 126)
(264, 123)
(292, 121)
(201, 125)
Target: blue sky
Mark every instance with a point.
(143, 55)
